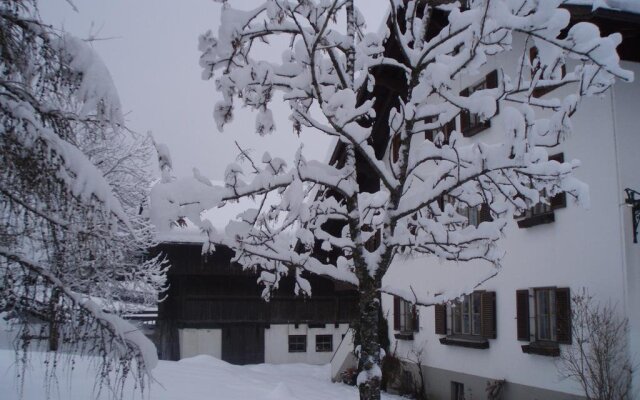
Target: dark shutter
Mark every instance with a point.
(492, 83)
(485, 213)
(448, 128)
(464, 115)
(522, 310)
(396, 313)
(440, 201)
(440, 311)
(563, 315)
(492, 79)
(395, 148)
(559, 200)
(488, 315)
(416, 318)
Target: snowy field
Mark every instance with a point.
(197, 378)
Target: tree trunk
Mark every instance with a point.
(370, 372)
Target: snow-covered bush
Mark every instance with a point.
(72, 180)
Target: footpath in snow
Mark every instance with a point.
(197, 378)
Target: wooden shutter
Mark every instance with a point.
(492, 79)
(522, 310)
(563, 315)
(559, 200)
(464, 115)
(492, 83)
(488, 315)
(396, 313)
(485, 213)
(416, 318)
(440, 201)
(395, 148)
(440, 311)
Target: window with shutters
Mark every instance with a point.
(544, 319)
(470, 123)
(543, 213)
(474, 215)
(468, 322)
(405, 319)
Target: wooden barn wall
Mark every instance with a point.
(212, 293)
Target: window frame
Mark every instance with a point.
(544, 213)
(325, 345)
(465, 308)
(547, 329)
(406, 318)
(457, 390)
(293, 346)
(470, 123)
(545, 321)
(449, 321)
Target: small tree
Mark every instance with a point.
(71, 183)
(381, 94)
(598, 357)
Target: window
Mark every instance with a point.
(297, 343)
(457, 391)
(474, 215)
(543, 213)
(465, 315)
(405, 318)
(471, 124)
(545, 314)
(468, 322)
(551, 310)
(324, 343)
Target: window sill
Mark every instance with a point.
(472, 342)
(403, 335)
(548, 349)
(534, 220)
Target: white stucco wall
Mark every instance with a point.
(583, 248)
(627, 135)
(276, 339)
(200, 341)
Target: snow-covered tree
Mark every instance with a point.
(72, 181)
(395, 187)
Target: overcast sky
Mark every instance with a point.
(150, 47)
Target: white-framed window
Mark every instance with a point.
(466, 315)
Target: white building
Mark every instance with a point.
(518, 321)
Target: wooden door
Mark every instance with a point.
(243, 344)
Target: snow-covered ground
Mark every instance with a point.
(197, 378)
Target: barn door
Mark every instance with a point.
(243, 344)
